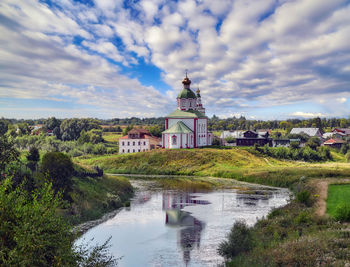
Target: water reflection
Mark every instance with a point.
(179, 228)
(189, 228)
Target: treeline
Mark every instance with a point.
(215, 124)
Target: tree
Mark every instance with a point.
(58, 168)
(8, 153)
(313, 142)
(127, 129)
(32, 233)
(3, 126)
(33, 157)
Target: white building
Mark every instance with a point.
(187, 126)
(138, 140)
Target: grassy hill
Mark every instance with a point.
(229, 163)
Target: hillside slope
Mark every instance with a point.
(230, 163)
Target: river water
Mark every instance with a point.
(181, 228)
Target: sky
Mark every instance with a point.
(266, 59)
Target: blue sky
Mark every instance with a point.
(266, 59)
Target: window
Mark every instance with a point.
(133, 150)
(123, 150)
(144, 143)
(128, 143)
(173, 140)
(122, 143)
(139, 143)
(139, 150)
(133, 143)
(128, 150)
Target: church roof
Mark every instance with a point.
(186, 114)
(186, 93)
(179, 127)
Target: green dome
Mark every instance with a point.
(186, 93)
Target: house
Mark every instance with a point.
(233, 134)
(187, 126)
(312, 132)
(335, 143)
(343, 132)
(251, 138)
(138, 140)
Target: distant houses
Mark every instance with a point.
(262, 137)
(138, 140)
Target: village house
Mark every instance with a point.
(335, 143)
(312, 132)
(138, 140)
(250, 138)
(187, 126)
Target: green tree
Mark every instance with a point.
(3, 126)
(58, 168)
(32, 233)
(8, 153)
(33, 157)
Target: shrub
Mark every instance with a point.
(239, 241)
(58, 167)
(342, 212)
(304, 197)
(347, 156)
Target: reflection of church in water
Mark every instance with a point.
(189, 228)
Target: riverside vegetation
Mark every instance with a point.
(294, 235)
(40, 200)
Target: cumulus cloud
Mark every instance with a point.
(245, 55)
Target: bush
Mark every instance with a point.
(304, 197)
(342, 212)
(239, 241)
(347, 156)
(58, 168)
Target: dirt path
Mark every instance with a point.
(322, 190)
(321, 186)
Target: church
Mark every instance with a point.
(187, 126)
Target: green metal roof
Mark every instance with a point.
(186, 93)
(179, 127)
(186, 114)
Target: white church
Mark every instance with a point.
(187, 126)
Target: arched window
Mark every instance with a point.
(173, 140)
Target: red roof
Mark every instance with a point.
(333, 141)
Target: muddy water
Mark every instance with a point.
(181, 228)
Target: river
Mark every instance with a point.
(181, 228)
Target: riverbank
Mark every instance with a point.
(92, 198)
(225, 163)
(299, 234)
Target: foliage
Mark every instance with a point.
(127, 129)
(156, 130)
(93, 136)
(70, 129)
(32, 233)
(313, 142)
(345, 148)
(58, 168)
(342, 212)
(347, 156)
(33, 157)
(304, 197)
(3, 126)
(8, 153)
(239, 241)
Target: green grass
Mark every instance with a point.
(112, 137)
(93, 197)
(338, 194)
(234, 163)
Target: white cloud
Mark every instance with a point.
(306, 114)
(341, 100)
